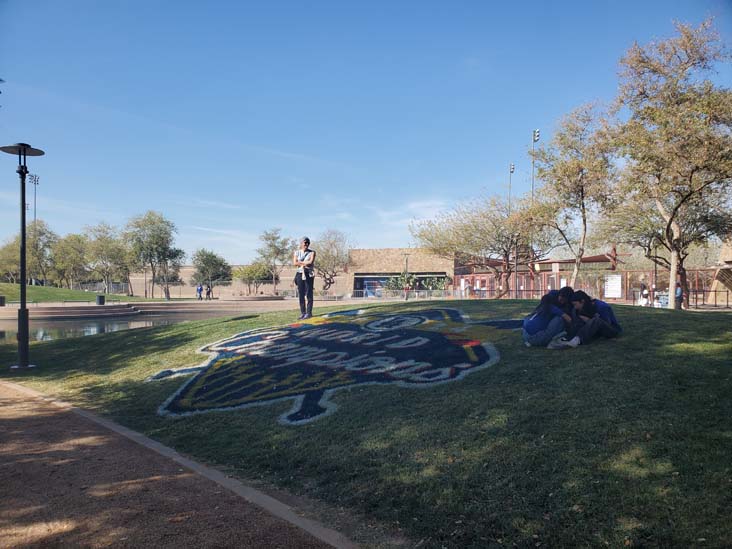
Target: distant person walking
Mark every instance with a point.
(209, 292)
(679, 296)
(199, 291)
(304, 258)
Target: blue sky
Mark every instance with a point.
(235, 117)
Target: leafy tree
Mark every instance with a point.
(333, 256)
(275, 253)
(641, 226)
(105, 252)
(576, 169)
(69, 259)
(10, 260)
(435, 283)
(676, 140)
(209, 267)
(40, 240)
(401, 282)
(169, 264)
(253, 275)
(484, 234)
(151, 238)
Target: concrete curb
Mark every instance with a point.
(252, 495)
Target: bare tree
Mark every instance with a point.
(576, 170)
(333, 256)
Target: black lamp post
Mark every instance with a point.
(22, 150)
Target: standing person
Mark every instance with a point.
(679, 296)
(304, 258)
(199, 292)
(209, 292)
(643, 301)
(594, 317)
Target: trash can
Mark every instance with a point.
(100, 300)
(2, 301)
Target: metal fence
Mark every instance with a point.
(98, 287)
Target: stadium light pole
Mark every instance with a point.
(534, 139)
(511, 168)
(33, 178)
(22, 150)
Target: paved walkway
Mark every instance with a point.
(71, 479)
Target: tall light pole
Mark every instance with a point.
(33, 178)
(23, 150)
(511, 168)
(534, 139)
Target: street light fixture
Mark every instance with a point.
(23, 150)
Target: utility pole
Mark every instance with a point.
(534, 139)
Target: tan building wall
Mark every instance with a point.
(384, 261)
(723, 276)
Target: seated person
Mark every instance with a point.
(594, 318)
(545, 323)
(562, 298)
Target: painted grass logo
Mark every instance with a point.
(308, 361)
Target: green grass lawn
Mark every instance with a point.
(623, 442)
(45, 294)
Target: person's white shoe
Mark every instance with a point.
(564, 343)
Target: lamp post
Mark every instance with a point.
(406, 276)
(23, 150)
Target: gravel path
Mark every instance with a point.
(66, 481)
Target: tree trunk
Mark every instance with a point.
(673, 271)
(575, 271)
(130, 292)
(684, 283)
(274, 280)
(152, 281)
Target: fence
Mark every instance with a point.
(98, 287)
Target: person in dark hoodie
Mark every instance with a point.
(549, 319)
(594, 318)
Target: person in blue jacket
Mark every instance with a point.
(547, 321)
(595, 318)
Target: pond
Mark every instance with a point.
(47, 330)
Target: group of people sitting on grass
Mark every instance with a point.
(566, 318)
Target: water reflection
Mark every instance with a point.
(41, 330)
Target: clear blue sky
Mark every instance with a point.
(234, 117)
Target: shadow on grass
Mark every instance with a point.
(617, 442)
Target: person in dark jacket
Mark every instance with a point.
(548, 320)
(594, 318)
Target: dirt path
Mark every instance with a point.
(66, 481)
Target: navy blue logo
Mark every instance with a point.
(306, 362)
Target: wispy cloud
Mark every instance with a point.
(98, 110)
(51, 205)
(412, 211)
(235, 245)
(215, 204)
